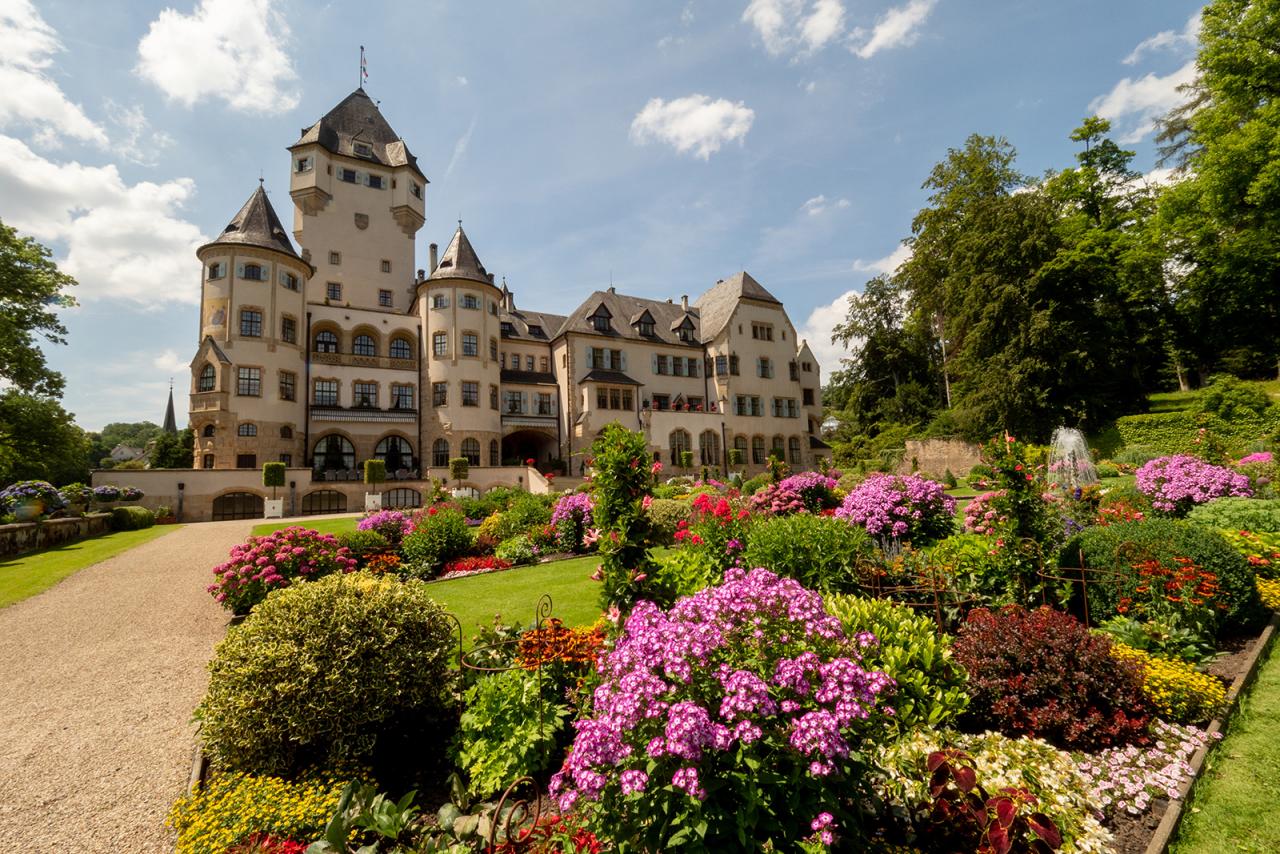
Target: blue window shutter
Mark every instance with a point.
(623, 360)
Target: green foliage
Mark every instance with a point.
(363, 543)
(131, 518)
(931, 685)
(525, 513)
(33, 292)
(493, 501)
(1229, 399)
(685, 571)
(1240, 514)
(735, 456)
(976, 567)
(821, 552)
(622, 479)
(459, 468)
(509, 730)
(1106, 470)
(754, 484)
(38, 438)
(686, 459)
(173, 450)
(664, 515)
(365, 812)
(437, 538)
(328, 672)
(375, 471)
(1165, 433)
(1115, 549)
(518, 549)
(949, 480)
(273, 475)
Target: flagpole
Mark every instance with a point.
(361, 77)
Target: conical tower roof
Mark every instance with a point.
(170, 422)
(357, 119)
(257, 225)
(460, 261)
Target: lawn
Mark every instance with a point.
(29, 574)
(342, 525)
(1232, 806)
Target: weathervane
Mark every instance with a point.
(364, 69)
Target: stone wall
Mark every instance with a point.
(936, 456)
(25, 537)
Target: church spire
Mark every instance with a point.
(170, 422)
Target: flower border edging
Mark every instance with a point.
(1168, 826)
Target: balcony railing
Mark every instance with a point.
(332, 412)
(353, 360)
(209, 401)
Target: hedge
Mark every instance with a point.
(131, 518)
(1175, 432)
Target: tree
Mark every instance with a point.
(173, 450)
(32, 288)
(40, 441)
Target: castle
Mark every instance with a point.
(345, 351)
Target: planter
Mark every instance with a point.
(372, 501)
(273, 508)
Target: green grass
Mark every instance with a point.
(325, 526)
(29, 574)
(1172, 401)
(1232, 806)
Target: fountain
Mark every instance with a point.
(1070, 465)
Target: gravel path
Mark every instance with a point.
(98, 679)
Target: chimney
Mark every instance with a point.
(612, 290)
(431, 256)
(684, 301)
(422, 274)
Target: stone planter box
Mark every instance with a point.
(23, 537)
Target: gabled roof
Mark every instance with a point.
(460, 261)
(256, 225)
(626, 311)
(717, 304)
(358, 119)
(212, 346)
(525, 323)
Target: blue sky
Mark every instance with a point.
(663, 144)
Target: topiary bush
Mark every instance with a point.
(1042, 674)
(1120, 549)
(274, 561)
(821, 552)
(131, 518)
(931, 690)
(321, 674)
(1238, 514)
(665, 514)
(439, 536)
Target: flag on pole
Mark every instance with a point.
(364, 68)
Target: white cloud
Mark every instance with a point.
(123, 241)
(886, 265)
(170, 362)
(823, 24)
(1143, 100)
(820, 204)
(234, 50)
(799, 26)
(898, 27)
(809, 87)
(1168, 40)
(686, 14)
(136, 142)
(817, 330)
(28, 96)
(460, 148)
(692, 123)
(461, 80)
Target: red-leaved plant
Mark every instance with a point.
(966, 817)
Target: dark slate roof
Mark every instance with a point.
(524, 324)
(625, 311)
(527, 377)
(599, 375)
(257, 225)
(170, 422)
(460, 261)
(357, 119)
(816, 444)
(717, 304)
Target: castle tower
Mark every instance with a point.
(247, 375)
(459, 304)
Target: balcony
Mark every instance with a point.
(352, 360)
(330, 412)
(209, 401)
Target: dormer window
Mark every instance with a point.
(600, 320)
(685, 333)
(536, 331)
(507, 328)
(303, 164)
(362, 149)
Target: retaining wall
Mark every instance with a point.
(23, 537)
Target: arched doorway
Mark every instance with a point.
(237, 505)
(396, 452)
(401, 497)
(522, 445)
(323, 501)
(334, 452)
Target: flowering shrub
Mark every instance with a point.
(981, 517)
(465, 566)
(1128, 779)
(517, 550)
(270, 562)
(572, 519)
(622, 480)
(1269, 593)
(1042, 674)
(1263, 457)
(696, 702)
(106, 493)
(822, 553)
(130, 493)
(554, 644)
(391, 524)
(808, 492)
(901, 507)
(1178, 691)
(1178, 483)
(998, 764)
(1177, 594)
(233, 808)
(30, 498)
(381, 564)
(717, 528)
(439, 535)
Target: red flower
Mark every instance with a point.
(530, 462)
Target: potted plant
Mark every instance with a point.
(459, 468)
(686, 459)
(273, 476)
(375, 472)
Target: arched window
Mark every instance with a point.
(493, 452)
(757, 450)
(776, 451)
(471, 450)
(254, 272)
(326, 342)
(237, 505)
(363, 346)
(324, 501)
(286, 432)
(440, 453)
(334, 452)
(207, 379)
(740, 444)
(401, 348)
(793, 445)
(401, 497)
(396, 452)
(679, 443)
(208, 431)
(247, 430)
(709, 446)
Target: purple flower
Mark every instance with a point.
(1176, 484)
(901, 507)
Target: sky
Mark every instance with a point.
(659, 146)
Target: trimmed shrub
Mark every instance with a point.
(321, 674)
(1136, 456)
(1120, 548)
(1238, 514)
(931, 689)
(273, 475)
(276, 560)
(131, 518)
(459, 468)
(821, 552)
(665, 514)
(1231, 399)
(1176, 432)
(1042, 674)
(375, 471)
(752, 485)
(363, 544)
(518, 549)
(438, 536)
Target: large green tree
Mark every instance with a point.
(39, 440)
(172, 450)
(32, 289)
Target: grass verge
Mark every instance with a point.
(1232, 807)
(26, 575)
(345, 525)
